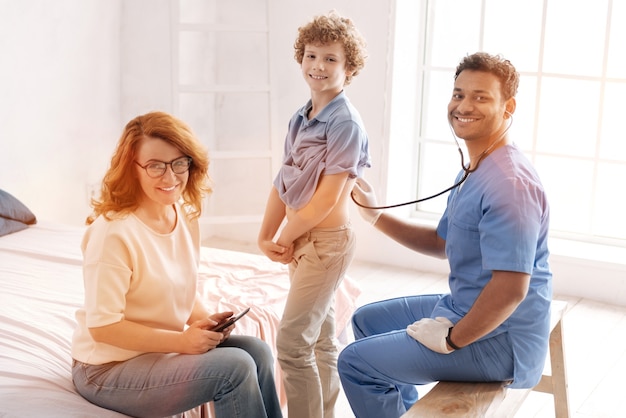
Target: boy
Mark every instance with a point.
(326, 149)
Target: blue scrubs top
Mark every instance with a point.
(498, 220)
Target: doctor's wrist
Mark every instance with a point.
(449, 340)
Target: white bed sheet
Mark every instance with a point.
(41, 288)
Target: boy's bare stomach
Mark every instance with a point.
(340, 215)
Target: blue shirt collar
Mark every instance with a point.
(326, 111)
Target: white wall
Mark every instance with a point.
(59, 105)
(146, 69)
(73, 72)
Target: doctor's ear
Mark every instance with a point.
(509, 108)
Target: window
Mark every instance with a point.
(569, 105)
(216, 91)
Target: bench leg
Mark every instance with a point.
(559, 374)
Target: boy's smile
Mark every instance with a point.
(324, 68)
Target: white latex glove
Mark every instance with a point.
(363, 193)
(432, 333)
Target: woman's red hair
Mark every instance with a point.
(120, 191)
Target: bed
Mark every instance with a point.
(41, 288)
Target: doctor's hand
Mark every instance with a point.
(431, 333)
(363, 193)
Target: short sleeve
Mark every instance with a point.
(347, 149)
(107, 275)
(511, 225)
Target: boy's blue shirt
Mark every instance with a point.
(334, 141)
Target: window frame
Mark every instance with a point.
(407, 149)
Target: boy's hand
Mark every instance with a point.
(276, 252)
(287, 255)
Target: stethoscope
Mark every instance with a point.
(466, 171)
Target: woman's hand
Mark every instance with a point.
(226, 332)
(197, 338)
(221, 317)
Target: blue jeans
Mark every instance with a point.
(238, 376)
(379, 371)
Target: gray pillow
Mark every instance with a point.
(14, 215)
(8, 226)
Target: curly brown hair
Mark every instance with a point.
(326, 29)
(120, 189)
(496, 65)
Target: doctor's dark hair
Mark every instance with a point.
(121, 190)
(330, 28)
(496, 65)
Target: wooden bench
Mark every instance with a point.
(493, 399)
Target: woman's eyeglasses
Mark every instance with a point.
(156, 169)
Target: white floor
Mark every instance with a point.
(594, 338)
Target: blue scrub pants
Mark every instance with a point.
(238, 376)
(380, 369)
